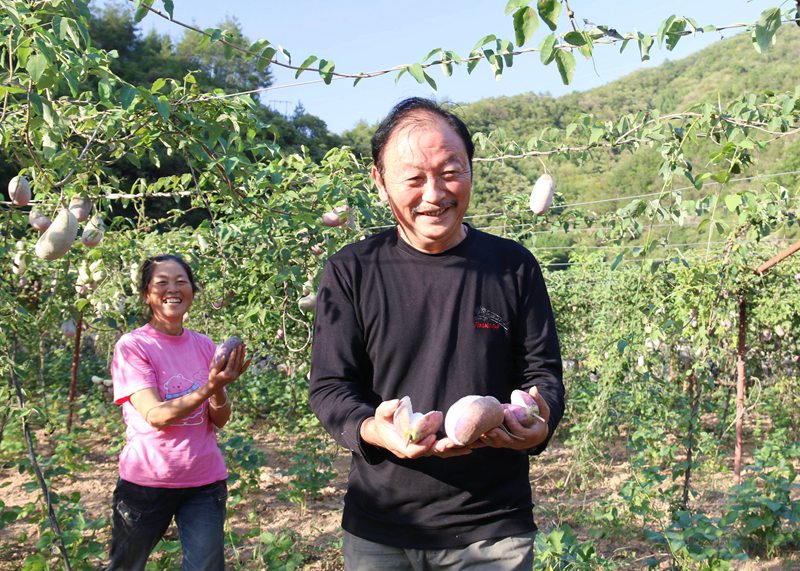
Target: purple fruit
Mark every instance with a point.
(471, 416)
(224, 350)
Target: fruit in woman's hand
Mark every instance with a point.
(19, 191)
(93, 232)
(80, 207)
(55, 242)
(542, 194)
(39, 221)
(414, 426)
(471, 416)
(224, 350)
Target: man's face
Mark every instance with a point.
(427, 182)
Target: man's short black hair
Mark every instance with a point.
(397, 117)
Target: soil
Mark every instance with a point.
(315, 527)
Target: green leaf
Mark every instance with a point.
(514, 5)
(158, 84)
(10, 89)
(326, 70)
(618, 259)
(663, 28)
(645, 42)
(430, 80)
(621, 345)
(142, 7)
(416, 72)
(566, 65)
(485, 40)
(36, 66)
(580, 40)
(104, 89)
(68, 29)
(431, 53)
(127, 95)
(547, 49)
(162, 106)
(525, 25)
(549, 11)
(764, 33)
(304, 66)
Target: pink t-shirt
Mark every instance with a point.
(184, 454)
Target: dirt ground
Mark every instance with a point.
(316, 526)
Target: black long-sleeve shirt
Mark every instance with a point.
(392, 321)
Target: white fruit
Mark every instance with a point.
(19, 191)
(307, 302)
(55, 242)
(80, 208)
(20, 265)
(542, 194)
(93, 232)
(68, 328)
(39, 221)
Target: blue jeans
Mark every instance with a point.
(142, 514)
(513, 553)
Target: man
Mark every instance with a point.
(436, 310)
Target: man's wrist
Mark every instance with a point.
(366, 432)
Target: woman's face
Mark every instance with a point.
(169, 293)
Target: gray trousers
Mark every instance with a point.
(503, 554)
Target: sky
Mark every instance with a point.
(371, 35)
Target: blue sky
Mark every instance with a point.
(369, 35)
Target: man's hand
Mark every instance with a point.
(521, 437)
(379, 430)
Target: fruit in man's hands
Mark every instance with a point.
(55, 242)
(524, 408)
(225, 350)
(39, 221)
(19, 191)
(414, 426)
(471, 416)
(80, 207)
(542, 194)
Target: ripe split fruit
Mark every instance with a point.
(523, 407)
(542, 194)
(414, 426)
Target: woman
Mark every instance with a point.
(172, 400)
